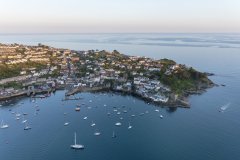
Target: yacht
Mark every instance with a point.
(114, 135)
(118, 124)
(66, 123)
(85, 118)
(18, 114)
(3, 126)
(77, 109)
(27, 127)
(129, 126)
(97, 133)
(24, 121)
(75, 145)
(93, 124)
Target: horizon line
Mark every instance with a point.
(43, 33)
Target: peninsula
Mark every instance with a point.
(28, 70)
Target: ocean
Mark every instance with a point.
(201, 132)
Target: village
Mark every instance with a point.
(33, 70)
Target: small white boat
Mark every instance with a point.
(77, 109)
(129, 126)
(75, 145)
(97, 133)
(118, 124)
(125, 111)
(108, 113)
(93, 124)
(133, 115)
(118, 113)
(161, 116)
(18, 114)
(121, 118)
(90, 101)
(104, 105)
(3, 126)
(85, 118)
(66, 123)
(24, 121)
(115, 110)
(156, 110)
(27, 127)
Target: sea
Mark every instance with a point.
(208, 130)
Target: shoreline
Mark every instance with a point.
(183, 103)
(171, 103)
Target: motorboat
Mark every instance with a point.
(118, 124)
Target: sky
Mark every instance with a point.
(119, 16)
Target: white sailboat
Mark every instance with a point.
(27, 127)
(97, 133)
(3, 126)
(75, 145)
(114, 135)
(24, 120)
(66, 123)
(93, 124)
(118, 124)
(129, 126)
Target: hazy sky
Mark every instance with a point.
(84, 16)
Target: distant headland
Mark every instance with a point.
(31, 70)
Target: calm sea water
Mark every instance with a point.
(198, 133)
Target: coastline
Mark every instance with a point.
(181, 102)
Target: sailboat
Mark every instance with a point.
(66, 123)
(118, 124)
(75, 145)
(24, 120)
(93, 124)
(27, 127)
(97, 133)
(129, 126)
(3, 126)
(114, 135)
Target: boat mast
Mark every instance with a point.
(75, 138)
